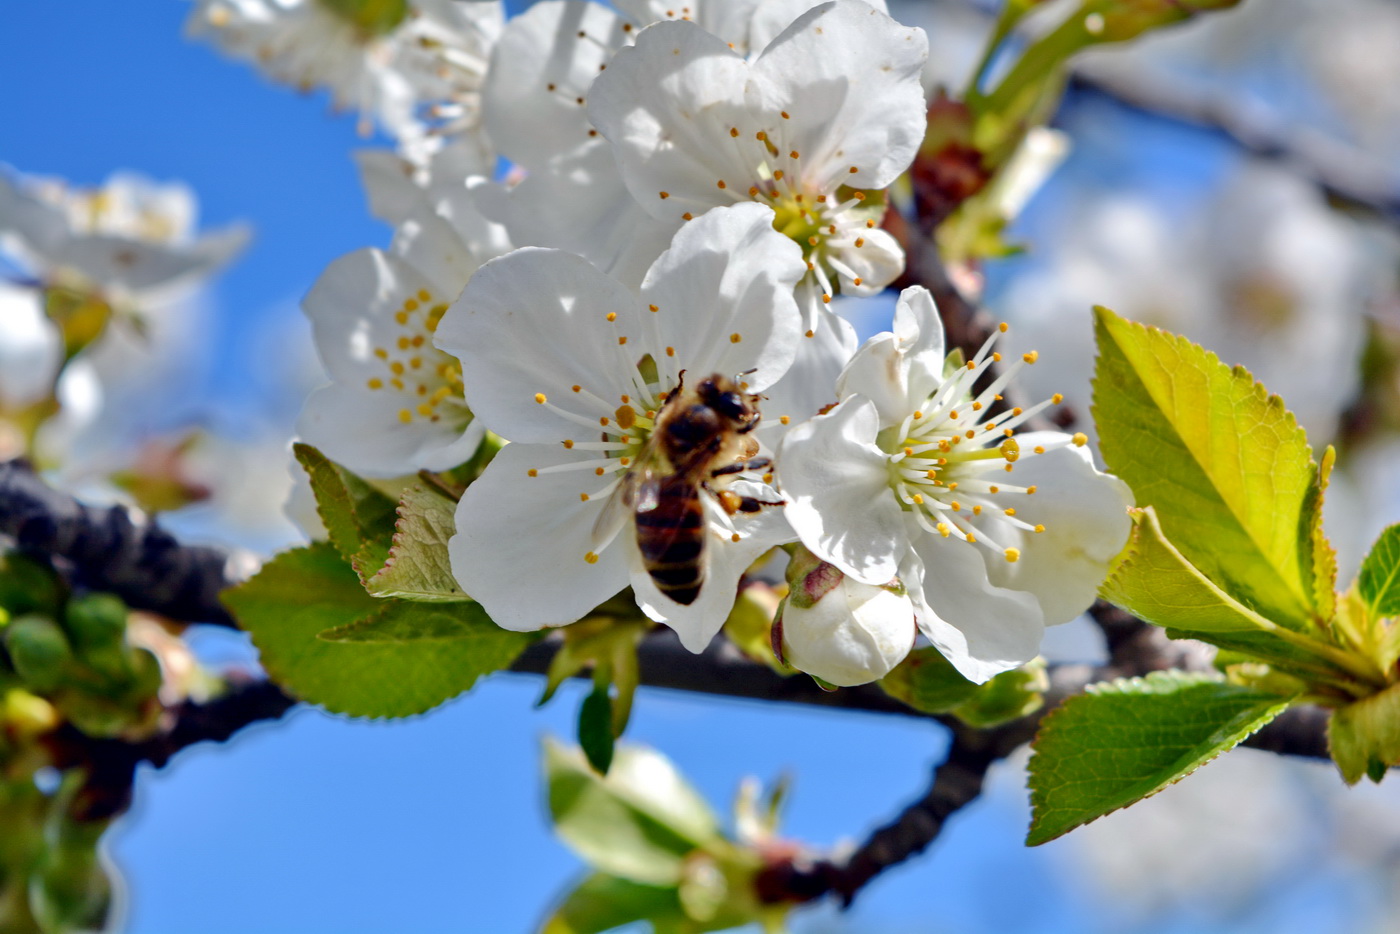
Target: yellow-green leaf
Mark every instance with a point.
(417, 567)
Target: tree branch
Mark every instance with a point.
(141, 563)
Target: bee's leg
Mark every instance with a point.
(758, 463)
(757, 417)
(732, 502)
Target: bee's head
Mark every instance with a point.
(724, 397)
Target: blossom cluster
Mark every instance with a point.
(646, 309)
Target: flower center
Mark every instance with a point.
(948, 466)
(369, 17)
(428, 381)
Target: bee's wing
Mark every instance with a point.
(636, 493)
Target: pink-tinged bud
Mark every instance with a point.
(839, 630)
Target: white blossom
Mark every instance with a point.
(995, 535)
(130, 243)
(573, 367)
(394, 404)
(842, 630)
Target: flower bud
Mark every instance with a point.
(840, 630)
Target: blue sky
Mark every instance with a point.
(435, 824)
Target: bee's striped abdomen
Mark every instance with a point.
(671, 538)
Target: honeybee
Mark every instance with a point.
(701, 433)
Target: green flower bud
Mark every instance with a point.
(28, 586)
(96, 621)
(39, 650)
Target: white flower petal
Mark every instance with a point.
(521, 542)
(31, 349)
(1085, 514)
(981, 629)
(837, 482)
(898, 370)
(809, 385)
(579, 203)
(362, 430)
(540, 75)
(724, 297)
(849, 75)
(856, 633)
(529, 327)
(877, 262)
(668, 105)
(771, 17)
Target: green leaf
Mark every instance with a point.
(603, 902)
(358, 518)
(307, 591)
(1224, 463)
(1128, 739)
(638, 823)
(1379, 580)
(1008, 696)
(401, 622)
(595, 729)
(1364, 737)
(1153, 580)
(927, 681)
(417, 567)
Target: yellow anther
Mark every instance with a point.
(576, 387)
(856, 281)
(734, 536)
(1006, 431)
(598, 470)
(783, 419)
(953, 485)
(1040, 449)
(1013, 555)
(721, 184)
(1010, 449)
(753, 191)
(811, 333)
(1039, 529)
(591, 558)
(375, 383)
(918, 499)
(405, 416)
(603, 420)
(664, 195)
(778, 175)
(955, 506)
(908, 452)
(734, 132)
(1003, 327)
(854, 170)
(971, 433)
(626, 417)
(994, 489)
(670, 351)
(971, 537)
(401, 317)
(1010, 510)
(424, 409)
(977, 510)
(687, 216)
(869, 225)
(624, 399)
(794, 155)
(416, 363)
(1008, 467)
(735, 338)
(569, 445)
(1080, 439)
(541, 398)
(583, 497)
(943, 529)
(860, 242)
(1056, 399)
(785, 115)
(396, 383)
(612, 316)
(622, 340)
(653, 308)
(971, 365)
(933, 475)
(760, 136)
(424, 295)
(381, 353)
(1016, 411)
(419, 340)
(397, 368)
(422, 390)
(1030, 490)
(996, 358)
(410, 305)
(1030, 356)
(625, 461)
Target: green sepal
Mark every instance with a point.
(359, 518)
(39, 650)
(639, 822)
(928, 682)
(1364, 737)
(1008, 696)
(1225, 465)
(1127, 739)
(307, 591)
